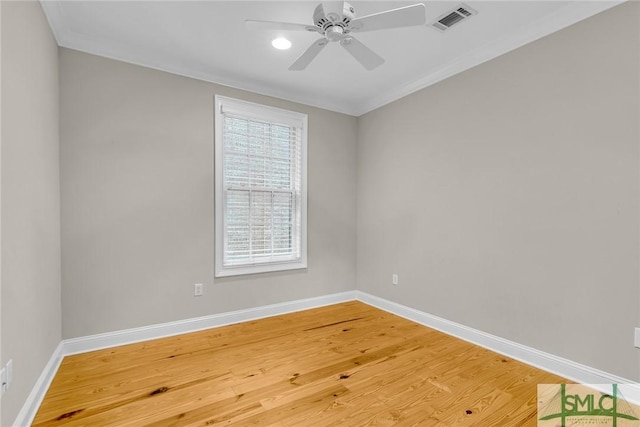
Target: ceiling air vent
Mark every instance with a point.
(451, 18)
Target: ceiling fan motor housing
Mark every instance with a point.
(335, 21)
(325, 18)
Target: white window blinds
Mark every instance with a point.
(261, 191)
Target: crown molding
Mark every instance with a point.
(568, 15)
(565, 17)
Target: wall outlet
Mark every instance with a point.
(9, 373)
(197, 290)
(636, 340)
(394, 279)
(4, 386)
(6, 377)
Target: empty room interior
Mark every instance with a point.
(313, 214)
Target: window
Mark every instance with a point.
(260, 184)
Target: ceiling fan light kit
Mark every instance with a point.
(335, 21)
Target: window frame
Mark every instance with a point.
(255, 111)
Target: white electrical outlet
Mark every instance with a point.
(636, 340)
(394, 279)
(9, 373)
(3, 381)
(197, 290)
(6, 377)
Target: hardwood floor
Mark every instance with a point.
(343, 365)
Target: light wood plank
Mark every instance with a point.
(343, 365)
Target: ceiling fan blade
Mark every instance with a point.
(282, 26)
(407, 16)
(308, 55)
(368, 58)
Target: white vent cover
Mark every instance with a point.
(453, 17)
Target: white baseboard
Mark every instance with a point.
(551, 363)
(546, 361)
(31, 405)
(128, 336)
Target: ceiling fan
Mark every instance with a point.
(335, 21)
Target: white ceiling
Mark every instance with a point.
(208, 40)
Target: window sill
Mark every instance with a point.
(259, 268)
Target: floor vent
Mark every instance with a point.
(453, 17)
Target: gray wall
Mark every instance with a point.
(30, 199)
(506, 197)
(136, 159)
(1, 360)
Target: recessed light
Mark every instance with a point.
(281, 43)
